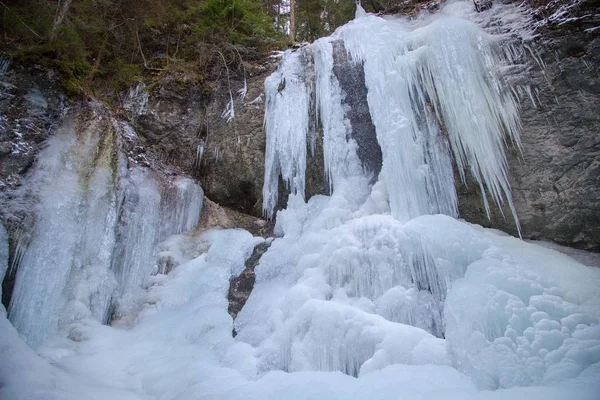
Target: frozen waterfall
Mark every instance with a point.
(91, 236)
(434, 91)
(373, 291)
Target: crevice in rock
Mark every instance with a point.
(351, 77)
(241, 286)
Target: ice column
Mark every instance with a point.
(287, 119)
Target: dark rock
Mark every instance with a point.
(232, 167)
(31, 107)
(556, 181)
(351, 77)
(377, 6)
(184, 121)
(173, 119)
(482, 5)
(241, 286)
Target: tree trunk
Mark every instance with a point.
(293, 20)
(61, 14)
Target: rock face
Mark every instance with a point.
(351, 78)
(556, 181)
(233, 159)
(31, 104)
(185, 119)
(216, 217)
(31, 107)
(241, 286)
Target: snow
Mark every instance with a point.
(508, 318)
(516, 315)
(359, 295)
(136, 100)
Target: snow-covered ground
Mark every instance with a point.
(343, 291)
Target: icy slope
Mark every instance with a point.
(515, 315)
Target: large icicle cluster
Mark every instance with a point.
(70, 232)
(4, 250)
(434, 88)
(288, 113)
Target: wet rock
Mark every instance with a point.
(241, 286)
(351, 77)
(31, 106)
(171, 118)
(232, 167)
(556, 181)
(215, 216)
(482, 5)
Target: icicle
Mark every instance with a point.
(136, 100)
(433, 91)
(199, 153)
(287, 114)
(360, 11)
(243, 91)
(4, 64)
(339, 150)
(228, 113)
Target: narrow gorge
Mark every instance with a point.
(406, 208)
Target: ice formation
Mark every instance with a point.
(433, 89)
(3, 254)
(288, 101)
(511, 313)
(376, 291)
(92, 233)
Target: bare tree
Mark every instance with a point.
(293, 20)
(62, 9)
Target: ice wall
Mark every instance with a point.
(91, 229)
(152, 210)
(3, 254)
(350, 288)
(435, 93)
(74, 195)
(288, 102)
(352, 270)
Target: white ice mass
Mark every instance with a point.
(376, 291)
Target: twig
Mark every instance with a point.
(137, 36)
(20, 20)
